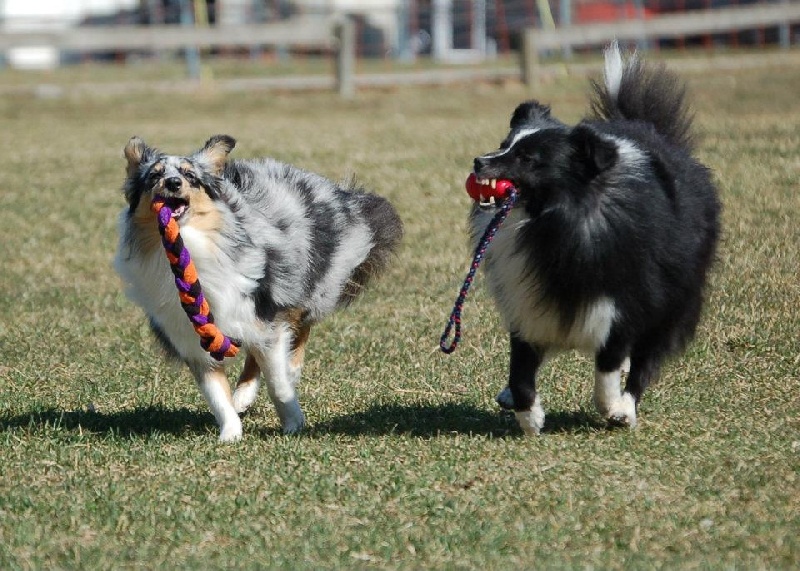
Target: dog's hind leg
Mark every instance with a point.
(247, 388)
(645, 365)
(298, 352)
(618, 408)
(274, 362)
(525, 362)
(213, 383)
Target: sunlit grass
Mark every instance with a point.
(109, 456)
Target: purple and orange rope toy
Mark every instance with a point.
(189, 291)
(503, 190)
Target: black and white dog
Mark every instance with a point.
(610, 244)
(276, 249)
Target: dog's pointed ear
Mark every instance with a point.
(215, 152)
(136, 151)
(529, 112)
(595, 153)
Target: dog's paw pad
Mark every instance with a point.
(505, 399)
(294, 427)
(292, 418)
(619, 421)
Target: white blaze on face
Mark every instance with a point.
(517, 138)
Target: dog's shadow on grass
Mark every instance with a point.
(140, 421)
(426, 421)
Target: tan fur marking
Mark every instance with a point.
(203, 213)
(217, 375)
(299, 346)
(134, 151)
(216, 152)
(296, 319)
(146, 233)
(250, 371)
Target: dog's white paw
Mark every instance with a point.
(231, 431)
(622, 411)
(505, 399)
(531, 421)
(244, 396)
(292, 418)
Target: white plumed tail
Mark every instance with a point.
(613, 69)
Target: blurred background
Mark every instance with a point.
(380, 35)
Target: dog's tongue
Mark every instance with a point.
(483, 192)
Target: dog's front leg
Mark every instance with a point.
(525, 362)
(213, 383)
(274, 362)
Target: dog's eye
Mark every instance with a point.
(532, 156)
(153, 177)
(190, 177)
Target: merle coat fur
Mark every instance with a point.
(276, 249)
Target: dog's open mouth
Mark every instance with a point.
(487, 192)
(178, 206)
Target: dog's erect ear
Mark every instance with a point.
(136, 151)
(529, 112)
(595, 153)
(215, 152)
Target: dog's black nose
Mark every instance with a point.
(478, 164)
(173, 183)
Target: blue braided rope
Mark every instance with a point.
(477, 258)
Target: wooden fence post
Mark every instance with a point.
(785, 32)
(191, 53)
(346, 57)
(529, 57)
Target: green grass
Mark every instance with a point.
(108, 456)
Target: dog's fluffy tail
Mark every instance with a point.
(637, 92)
(387, 232)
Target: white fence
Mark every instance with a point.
(722, 20)
(337, 36)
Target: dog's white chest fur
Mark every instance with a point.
(151, 285)
(513, 284)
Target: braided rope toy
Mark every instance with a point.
(505, 191)
(189, 291)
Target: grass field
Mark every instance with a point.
(108, 456)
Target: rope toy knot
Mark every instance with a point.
(188, 284)
(454, 322)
